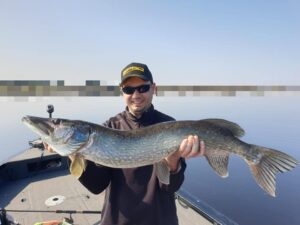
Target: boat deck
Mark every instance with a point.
(47, 192)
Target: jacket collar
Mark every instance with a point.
(144, 119)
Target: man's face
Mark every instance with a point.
(138, 102)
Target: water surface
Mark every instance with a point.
(268, 121)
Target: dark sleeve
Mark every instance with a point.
(176, 179)
(95, 177)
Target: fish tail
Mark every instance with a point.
(267, 163)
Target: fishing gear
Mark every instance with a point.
(50, 110)
(4, 220)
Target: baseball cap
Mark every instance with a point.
(136, 70)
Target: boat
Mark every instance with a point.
(37, 188)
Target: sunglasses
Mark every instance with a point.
(141, 89)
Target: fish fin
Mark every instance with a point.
(268, 163)
(235, 129)
(78, 165)
(218, 160)
(162, 172)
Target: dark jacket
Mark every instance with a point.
(134, 196)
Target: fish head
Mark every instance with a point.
(63, 136)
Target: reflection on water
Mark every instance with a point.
(268, 121)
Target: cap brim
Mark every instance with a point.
(134, 75)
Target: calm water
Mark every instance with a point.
(268, 121)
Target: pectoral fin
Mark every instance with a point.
(77, 166)
(162, 172)
(218, 160)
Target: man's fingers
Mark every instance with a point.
(183, 146)
(188, 146)
(192, 147)
(46, 146)
(202, 149)
(195, 147)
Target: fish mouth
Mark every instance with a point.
(41, 126)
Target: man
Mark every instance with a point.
(135, 196)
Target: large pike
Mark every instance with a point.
(149, 145)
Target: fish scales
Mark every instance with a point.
(150, 145)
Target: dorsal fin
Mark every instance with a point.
(236, 130)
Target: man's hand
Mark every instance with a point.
(48, 148)
(189, 147)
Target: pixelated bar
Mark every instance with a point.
(40, 88)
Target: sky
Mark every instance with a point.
(183, 42)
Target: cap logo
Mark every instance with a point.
(132, 68)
